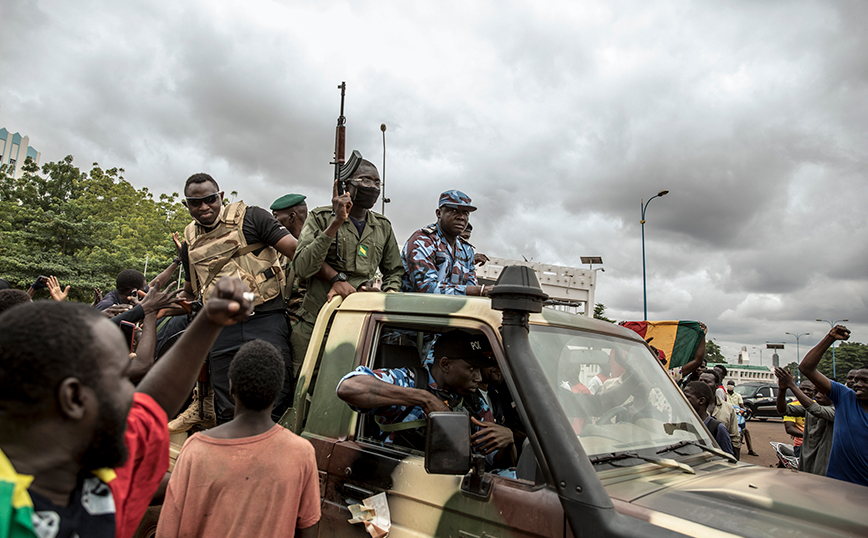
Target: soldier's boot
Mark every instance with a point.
(191, 416)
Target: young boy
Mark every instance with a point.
(250, 476)
(698, 394)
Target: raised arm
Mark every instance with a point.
(698, 357)
(170, 380)
(144, 356)
(316, 237)
(809, 364)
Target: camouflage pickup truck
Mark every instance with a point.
(643, 464)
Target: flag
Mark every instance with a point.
(678, 340)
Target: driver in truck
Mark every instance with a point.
(400, 398)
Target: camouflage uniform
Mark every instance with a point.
(431, 267)
(394, 414)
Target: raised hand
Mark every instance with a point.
(231, 302)
(155, 299)
(178, 240)
(785, 378)
(342, 204)
(54, 289)
(839, 332)
(97, 296)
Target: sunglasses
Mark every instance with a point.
(210, 199)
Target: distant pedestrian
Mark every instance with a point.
(699, 394)
(722, 411)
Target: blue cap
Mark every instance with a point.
(456, 200)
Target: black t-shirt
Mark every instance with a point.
(259, 226)
(91, 511)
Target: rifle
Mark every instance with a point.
(340, 141)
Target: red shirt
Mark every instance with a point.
(135, 483)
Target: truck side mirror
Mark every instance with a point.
(447, 443)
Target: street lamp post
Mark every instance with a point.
(831, 326)
(761, 353)
(798, 357)
(643, 204)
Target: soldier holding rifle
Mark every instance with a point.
(343, 245)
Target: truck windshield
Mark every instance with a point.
(614, 392)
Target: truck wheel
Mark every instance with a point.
(148, 526)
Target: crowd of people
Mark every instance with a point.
(86, 410)
(229, 344)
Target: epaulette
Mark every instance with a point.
(429, 229)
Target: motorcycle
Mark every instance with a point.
(786, 457)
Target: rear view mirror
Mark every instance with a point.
(447, 443)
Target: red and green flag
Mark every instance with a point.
(678, 340)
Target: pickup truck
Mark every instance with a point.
(632, 459)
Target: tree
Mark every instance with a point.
(848, 355)
(712, 352)
(600, 313)
(83, 228)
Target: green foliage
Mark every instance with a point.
(712, 352)
(82, 227)
(848, 355)
(600, 313)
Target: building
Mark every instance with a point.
(15, 149)
(570, 289)
(745, 373)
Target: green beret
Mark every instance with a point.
(287, 200)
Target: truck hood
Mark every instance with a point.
(754, 501)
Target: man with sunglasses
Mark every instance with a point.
(344, 244)
(244, 242)
(436, 258)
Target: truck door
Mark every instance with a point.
(362, 463)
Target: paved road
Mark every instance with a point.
(761, 434)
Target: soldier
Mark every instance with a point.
(436, 259)
(345, 244)
(244, 242)
(291, 211)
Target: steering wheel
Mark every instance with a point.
(610, 414)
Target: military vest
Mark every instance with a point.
(220, 252)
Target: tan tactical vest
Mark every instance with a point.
(220, 252)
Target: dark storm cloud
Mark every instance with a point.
(556, 118)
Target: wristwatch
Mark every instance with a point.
(340, 276)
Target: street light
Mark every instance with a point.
(832, 326)
(798, 357)
(761, 353)
(643, 204)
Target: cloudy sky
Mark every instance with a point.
(557, 118)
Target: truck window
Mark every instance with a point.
(613, 391)
(410, 348)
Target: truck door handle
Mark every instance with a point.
(356, 492)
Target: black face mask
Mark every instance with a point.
(366, 197)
